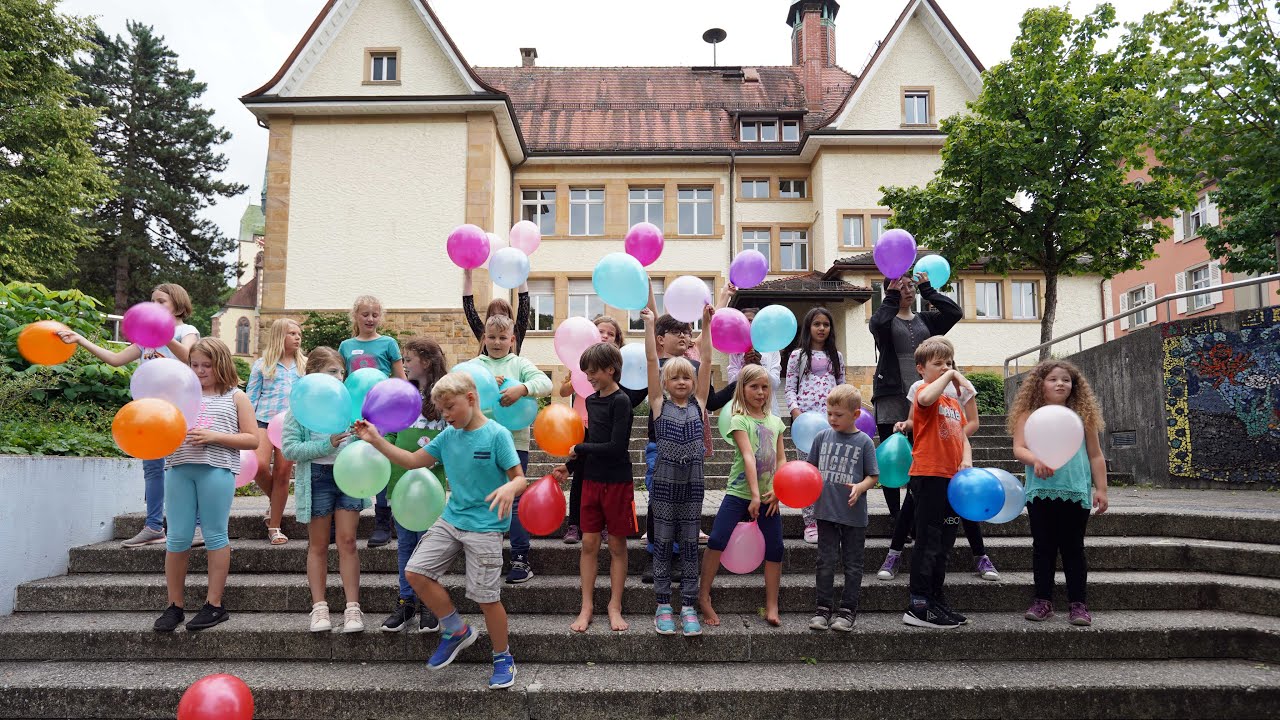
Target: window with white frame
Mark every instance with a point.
(539, 207)
(915, 107)
(659, 289)
(384, 66)
(586, 211)
(645, 205)
(851, 231)
(792, 189)
(583, 301)
(757, 239)
(879, 223)
(1134, 298)
(987, 298)
(1189, 223)
(759, 130)
(695, 210)
(790, 131)
(1025, 303)
(542, 305)
(793, 250)
(1197, 278)
(755, 188)
(954, 292)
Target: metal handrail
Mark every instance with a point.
(1162, 300)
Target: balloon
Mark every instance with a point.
(797, 484)
(171, 380)
(748, 269)
(1015, 497)
(1054, 434)
(580, 407)
(573, 337)
(39, 343)
(581, 384)
(773, 329)
(525, 236)
(894, 252)
(495, 244)
(975, 494)
(936, 267)
(730, 331)
(392, 405)
(866, 421)
(486, 384)
(745, 550)
(275, 429)
(644, 242)
(685, 298)
(542, 507)
(148, 324)
(724, 420)
(635, 367)
(468, 247)
(621, 282)
(248, 468)
(360, 470)
(894, 458)
(359, 383)
(417, 500)
(321, 403)
(806, 427)
(516, 416)
(216, 697)
(557, 429)
(149, 429)
(509, 268)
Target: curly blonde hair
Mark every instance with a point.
(1082, 401)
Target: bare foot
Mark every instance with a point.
(771, 617)
(709, 616)
(616, 622)
(582, 622)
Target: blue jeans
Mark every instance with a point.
(406, 541)
(519, 536)
(380, 500)
(153, 491)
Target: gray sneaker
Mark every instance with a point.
(147, 536)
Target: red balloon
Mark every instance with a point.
(216, 697)
(797, 484)
(542, 507)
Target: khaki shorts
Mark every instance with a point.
(483, 551)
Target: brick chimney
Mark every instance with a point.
(528, 57)
(813, 44)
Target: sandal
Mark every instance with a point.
(276, 537)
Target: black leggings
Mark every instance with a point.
(906, 520)
(1058, 526)
(892, 496)
(937, 524)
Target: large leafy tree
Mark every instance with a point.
(1035, 175)
(161, 148)
(49, 176)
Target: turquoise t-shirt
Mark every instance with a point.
(478, 461)
(763, 435)
(1072, 482)
(380, 352)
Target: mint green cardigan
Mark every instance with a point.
(302, 446)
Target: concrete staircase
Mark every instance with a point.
(1184, 585)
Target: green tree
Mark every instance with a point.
(49, 176)
(1034, 176)
(160, 146)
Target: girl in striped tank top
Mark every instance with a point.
(200, 480)
(676, 499)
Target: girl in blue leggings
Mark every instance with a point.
(200, 480)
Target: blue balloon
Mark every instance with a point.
(806, 427)
(321, 403)
(773, 329)
(975, 494)
(359, 383)
(937, 267)
(486, 385)
(894, 459)
(620, 281)
(517, 416)
(635, 367)
(1015, 496)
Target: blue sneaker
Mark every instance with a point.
(450, 646)
(504, 671)
(664, 620)
(689, 621)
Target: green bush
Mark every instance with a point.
(24, 303)
(243, 368)
(328, 329)
(990, 389)
(58, 428)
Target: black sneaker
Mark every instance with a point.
(400, 617)
(170, 620)
(208, 616)
(960, 619)
(427, 621)
(520, 571)
(381, 527)
(928, 617)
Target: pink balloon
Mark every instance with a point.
(468, 246)
(580, 407)
(525, 236)
(275, 429)
(644, 242)
(748, 269)
(745, 550)
(581, 385)
(895, 252)
(495, 244)
(148, 324)
(730, 331)
(248, 467)
(574, 336)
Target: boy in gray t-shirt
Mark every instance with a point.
(846, 457)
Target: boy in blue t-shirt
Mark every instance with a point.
(485, 478)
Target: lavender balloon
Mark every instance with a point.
(392, 405)
(730, 331)
(866, 421)
(168, 379)
(148, 324)
(468, 246)
(895, 252)
(748, 269)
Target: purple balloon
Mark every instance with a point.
(748, 269)
(730, 331)
(866, 421)
(644, 242)
(895, 252)
(392, 405)
(468, 247)
(149, 324)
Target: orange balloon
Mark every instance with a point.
(40, 345)
(557, 429)
(149, 429)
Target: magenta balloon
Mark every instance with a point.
(392, 405)
(148, 324)
(730, 331)
(748, 269)
(866, 421)
(895, 252)
(573, 337)
(644, 242)
(525, 237)
(169, 379)
(275, 429)
(468, 246)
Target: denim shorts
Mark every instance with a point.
(262, 425)
(325, 495)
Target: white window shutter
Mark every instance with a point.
(1177, 227)
(1211, 213)
(1152, 311)
(1215, 279)
(1180, 285)
(1124, 305)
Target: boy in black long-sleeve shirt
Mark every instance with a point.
(608, 496)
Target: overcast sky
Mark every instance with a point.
(237, 45)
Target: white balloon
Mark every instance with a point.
(685, 297)
(1015, 497)
(1054, 433)
(508, 268)
(635, 367)
(495, 244)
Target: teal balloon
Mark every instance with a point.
(894, 458)
(360, 470)
(724, 420)
(773, 329)
(359, 383)
(321, 403)
(937, 267)
(620, 281)
(806, 427)
(975, 494)
(417, 500)
(486, 384)
(517, 416)
(1015, 496)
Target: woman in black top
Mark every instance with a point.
(497, 306)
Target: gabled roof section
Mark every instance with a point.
(809, 286)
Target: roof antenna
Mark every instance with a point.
(715, 36)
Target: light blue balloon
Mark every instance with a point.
(359, 383)
(519, 414)
(486, 384)
(806, 427)
(773, 329)
(509, 268)
(937, 267)
(1015, 496)
(620, 281)
(975, 494)
(635, 367)
(321, 403)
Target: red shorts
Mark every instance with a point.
(608, 505)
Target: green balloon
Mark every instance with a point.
(360, 470)
(417, 500)
(724, 420)
(894, 458)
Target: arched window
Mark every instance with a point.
(242, 336)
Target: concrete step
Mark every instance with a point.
(287, 592)
(1049, 689)
(637, 445)
(720, 468)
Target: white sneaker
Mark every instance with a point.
(197, 540)
(353, 619)
(811, 534)
(320, 617)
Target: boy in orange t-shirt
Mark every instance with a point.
(941, 448)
